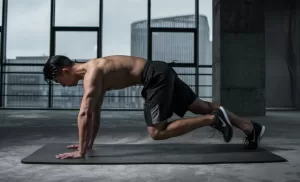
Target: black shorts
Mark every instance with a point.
(164, 93)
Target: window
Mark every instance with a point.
(173, 47)
(24, 86)
(1, 5)
(124, 33)
(77, 13)
(28, 37)
(173, 13)
(79, 46)
(28, 30)
(121, 36)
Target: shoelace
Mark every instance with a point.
(246, 140)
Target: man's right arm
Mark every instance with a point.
(96, 123)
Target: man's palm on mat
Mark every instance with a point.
(75, 154)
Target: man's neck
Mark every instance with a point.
(79, 70)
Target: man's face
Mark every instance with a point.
(66, 78)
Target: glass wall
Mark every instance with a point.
(1, 12)
(83, 31)
(118, 16)
(1, 55)
(205, 49)
(79, 46)
(179, 47)
(75, 40)
(28, 40)
(73, 13)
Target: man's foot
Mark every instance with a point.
(223, 123)
(252, 140)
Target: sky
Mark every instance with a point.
(28, 28)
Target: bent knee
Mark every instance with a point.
(155, 130)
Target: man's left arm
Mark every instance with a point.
(93, 93)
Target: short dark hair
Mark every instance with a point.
(54, 65)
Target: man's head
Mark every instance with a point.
(58, 68)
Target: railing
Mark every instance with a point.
(27, 90)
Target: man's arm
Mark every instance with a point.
(96, 123)
(93, 92)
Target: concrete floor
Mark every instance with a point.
(23, 132)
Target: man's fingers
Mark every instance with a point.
(68, 155)
(64, 156)
(61, 156)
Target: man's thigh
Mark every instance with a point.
(158, 103)
(183, 97)
(157, 112)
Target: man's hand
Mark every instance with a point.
(76, 146)
(73, 146)
(72, 155)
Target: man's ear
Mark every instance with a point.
(65, 70)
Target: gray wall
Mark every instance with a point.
(278, 81)
(239, 56)
(282, 55)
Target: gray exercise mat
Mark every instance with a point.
(155, 154)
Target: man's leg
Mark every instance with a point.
(254, 131)
(189, 101)
(164, 130)
(162, 99)
(203, 107)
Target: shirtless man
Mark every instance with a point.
(164, 93)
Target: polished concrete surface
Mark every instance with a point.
(23, 132)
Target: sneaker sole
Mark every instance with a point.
(263, 129)
(225, 115)
(227, 121)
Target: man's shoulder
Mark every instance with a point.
(97, 60)
(93, 73)
(96, 64)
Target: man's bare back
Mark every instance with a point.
(119, 71)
